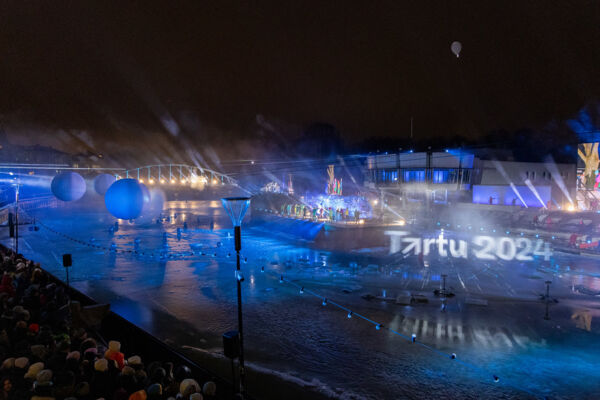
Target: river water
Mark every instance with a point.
(182, 288)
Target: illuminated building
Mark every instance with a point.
(456, 176)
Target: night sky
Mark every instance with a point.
(189, 72)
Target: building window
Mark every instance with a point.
(440, 176)
(466, 176)
(415, 175)
(388, 175)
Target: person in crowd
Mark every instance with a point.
(43, 356)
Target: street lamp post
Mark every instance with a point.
(17, 218)
(236, 208)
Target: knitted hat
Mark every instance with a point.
(88, 343)
(101, 365)
(139, 395)
(44, 377)
(18, 309)
(113, 345)
(9, 363)
(90, 353)
(155, 391)
(39, 350)
(82, 389)
(20, 312)
(34, 369)
(21, 362)
(141, 375)
(120, 394)
(188, 386)
(134, 360)
(209, 388)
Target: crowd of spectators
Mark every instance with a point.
(48, 356)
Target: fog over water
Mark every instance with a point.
(295, 337)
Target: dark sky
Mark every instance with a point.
(208, 68)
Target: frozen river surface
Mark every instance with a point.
(495, 324)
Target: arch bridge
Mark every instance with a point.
(177, 174)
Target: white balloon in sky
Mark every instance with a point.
(456, 48)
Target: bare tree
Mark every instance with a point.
(589, 154)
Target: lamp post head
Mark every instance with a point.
(236, 208)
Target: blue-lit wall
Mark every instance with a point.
(504, 195)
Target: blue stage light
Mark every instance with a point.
(325, 301)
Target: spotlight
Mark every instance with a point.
(162, 181)
(414, 338)
(496, 379)
(172, 181)
(141, 180)
(325, 301)
(183, 181)
(350, 314)
(262, 269)
(302, 290)
(453, 356)
(151, 181)
(378, 326)
(281, 279)
(571, 208)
